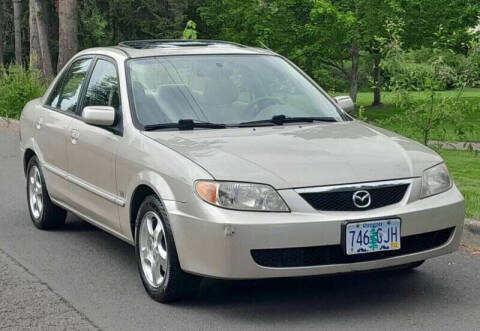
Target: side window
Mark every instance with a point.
(55, 94)
(66, 94)
(102, 89)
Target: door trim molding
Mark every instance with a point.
(85, 185)
(92, 221)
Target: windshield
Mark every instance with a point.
(226, 89)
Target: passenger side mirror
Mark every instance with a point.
(346, 103)
(99, 115)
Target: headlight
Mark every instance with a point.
(436, 180)
(241, 196)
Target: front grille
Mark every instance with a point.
(325, 255)
(343, 200)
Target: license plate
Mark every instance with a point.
(372, 236)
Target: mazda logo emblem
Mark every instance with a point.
(362, 199)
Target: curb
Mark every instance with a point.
(8, 120)
(473, 226)
(10, 124)
(456, 145)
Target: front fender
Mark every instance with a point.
(143, 161)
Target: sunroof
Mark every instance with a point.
(175, 43)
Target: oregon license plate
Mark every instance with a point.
(372, 236)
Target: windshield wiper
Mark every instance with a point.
(185, 124)
(282, 119)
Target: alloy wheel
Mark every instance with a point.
(153, 249)
(35, 192)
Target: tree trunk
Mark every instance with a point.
(35, 52)
(17, 24)
(355, 55)
(377, 81)
(2, 28)
(40, 18)
(68, 30)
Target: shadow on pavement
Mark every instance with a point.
(270, 300)
(303, 299)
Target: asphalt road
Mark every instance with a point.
(91, 278)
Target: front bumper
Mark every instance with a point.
(217, 242)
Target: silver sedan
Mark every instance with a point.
(219, 160)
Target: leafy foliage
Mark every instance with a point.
(17, 87)
(327, 37)
(433, 111)
(106, 22)
(190, 32)
(340, 43)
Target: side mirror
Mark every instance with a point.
(99, 115)
(346, 103)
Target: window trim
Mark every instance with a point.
(117, 131)
(77, 114)
(62, 81)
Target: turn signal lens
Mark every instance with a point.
(207, 191)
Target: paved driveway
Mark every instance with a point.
(90, 277)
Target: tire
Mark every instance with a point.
(156, 255)
(44, 214)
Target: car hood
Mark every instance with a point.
(293, 156)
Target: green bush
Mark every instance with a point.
(433, 113)
(18, 86)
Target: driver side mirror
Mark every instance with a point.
(346, 103)
(99, 115)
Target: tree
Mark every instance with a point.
(433, 21)
(369, 19)
(17, 23)
(373, 239)
(281, 25)
(35, 52)
(68, 31)
(2, 23)
(432, 112)
(40, 20)
(331, 43)
(107, 22)
(314, 34)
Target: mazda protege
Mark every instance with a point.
(220, 160)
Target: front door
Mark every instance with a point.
(52, 127)
(91, 150)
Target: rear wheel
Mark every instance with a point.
(156, 255)
(44, 214)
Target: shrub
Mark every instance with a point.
(18, 86)
(433, 112)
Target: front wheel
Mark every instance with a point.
(156, 255)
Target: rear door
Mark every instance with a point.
(91, 150)
(52, 123)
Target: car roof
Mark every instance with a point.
(164, 47)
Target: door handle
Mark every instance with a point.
(38, 123)
(75, 135)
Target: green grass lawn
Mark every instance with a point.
(465, 169)
(383, 112)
